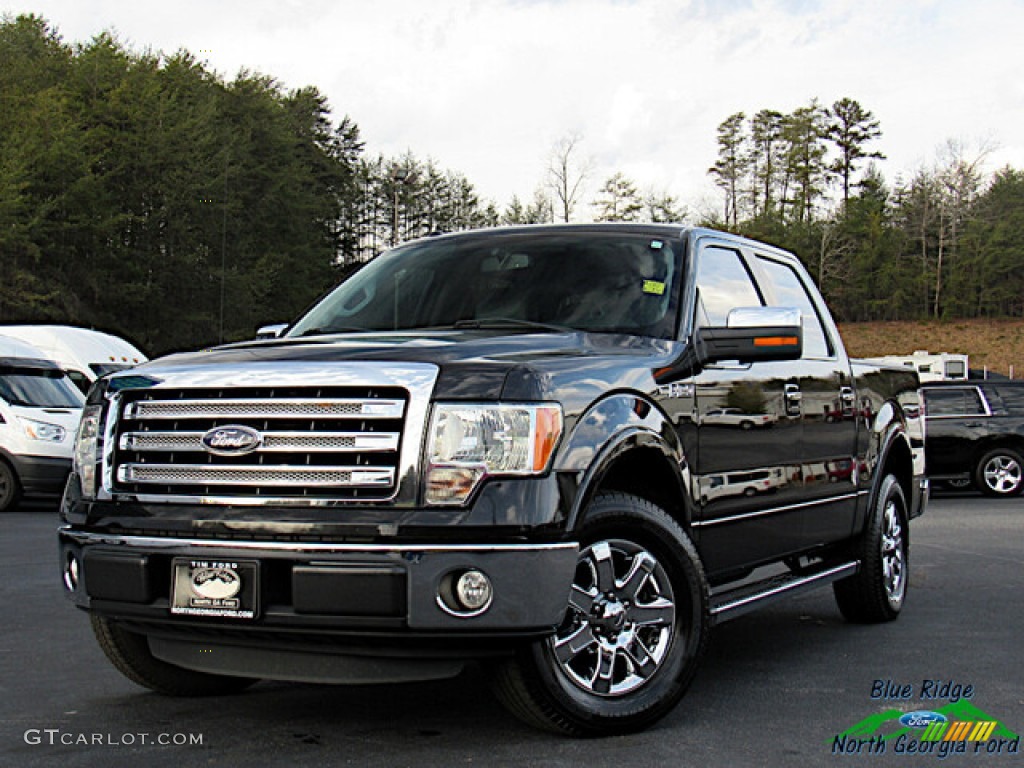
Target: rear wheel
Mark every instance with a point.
(877, 591)
(10, 488)
(130, 653)
(633, 632)
(1000, 472)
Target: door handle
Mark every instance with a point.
(793, 398)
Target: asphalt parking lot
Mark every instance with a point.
(776, 687)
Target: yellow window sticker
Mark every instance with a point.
(654, 287)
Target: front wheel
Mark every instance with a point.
(10, 489)
(877, 591)
(1000, 472)
(633, 632)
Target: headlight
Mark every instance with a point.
(87, 448)
(471, 442)
(40, 430)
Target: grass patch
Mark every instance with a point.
(995, 344)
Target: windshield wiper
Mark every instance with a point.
(507, 322)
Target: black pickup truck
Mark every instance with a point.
(493, 446)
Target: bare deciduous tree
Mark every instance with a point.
(566, 174)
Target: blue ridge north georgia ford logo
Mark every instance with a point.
(233, 440)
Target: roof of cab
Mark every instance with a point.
(17, 352)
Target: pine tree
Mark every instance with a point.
(618, 200)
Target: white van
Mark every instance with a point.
(83, 354)
(39, 413)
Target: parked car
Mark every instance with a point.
(39, 413)
(975, 435)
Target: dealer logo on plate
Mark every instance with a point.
(216, 583)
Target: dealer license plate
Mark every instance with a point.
(225, 588)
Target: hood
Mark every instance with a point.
(484, 364)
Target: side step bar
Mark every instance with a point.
(739, 600)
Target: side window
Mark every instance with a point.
(954, 402)
(790, 292)
(723, 284)
(1012, 397)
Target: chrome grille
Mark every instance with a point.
(338, 443)
(262, 408)
(272, 441)
(276, 476)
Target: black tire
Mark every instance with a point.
(877, 592)
(1000, 473)
(10, 488)
(129, 653)
(653, 623)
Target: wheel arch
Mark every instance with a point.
(626, 443)
(996, 442)
(898, 460)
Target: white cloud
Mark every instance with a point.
(486, 88)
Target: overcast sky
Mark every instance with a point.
(487, 87)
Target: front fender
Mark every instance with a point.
(611, 428)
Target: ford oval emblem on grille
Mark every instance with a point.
(234, 440)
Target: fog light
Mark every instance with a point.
(473, 591)
(71, 573)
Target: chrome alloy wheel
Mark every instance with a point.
(1002, 474)
(621, 620)
(893, 554)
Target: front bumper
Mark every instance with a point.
(42, 474)
(324, 589)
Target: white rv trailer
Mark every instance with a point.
(83, 354)
(942, 366)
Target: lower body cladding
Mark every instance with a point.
(341, 613)
(41, 474)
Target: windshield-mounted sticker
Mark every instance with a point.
(654, 287)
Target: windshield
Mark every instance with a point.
(602, 282)
(38, 388)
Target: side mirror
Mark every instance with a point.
(752, 334)
(274, 331)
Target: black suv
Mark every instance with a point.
(975, 435)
